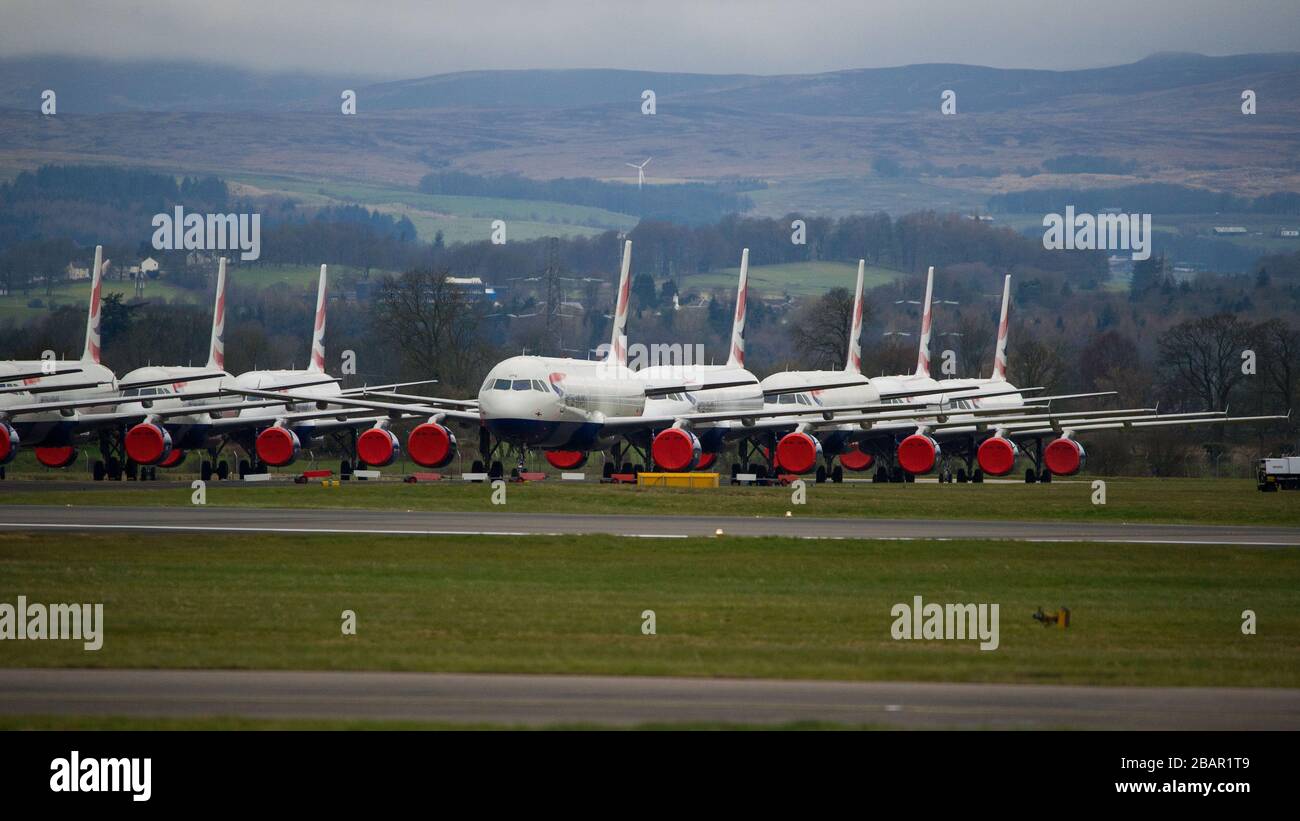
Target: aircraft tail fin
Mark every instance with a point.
(854, 363)
(91, 352)
(1000, 353)
(923, 352)
(217, 347)
(618, 338)
(736, 358)
(318, 334)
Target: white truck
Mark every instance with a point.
(1279, 472)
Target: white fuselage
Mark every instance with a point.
(36, 428)
(558, 403)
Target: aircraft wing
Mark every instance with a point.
(76, 386)
(1159, 420)
(428, 400)
(412, 409)
(792, 417)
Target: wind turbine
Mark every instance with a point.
(640, 171)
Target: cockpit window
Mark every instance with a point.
(523, 385)
(538, 385)
(502, 385)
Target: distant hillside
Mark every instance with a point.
(94, 86)
(824, 145)
(87, 86)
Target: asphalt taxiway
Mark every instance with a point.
(517, 700)
(211, 519)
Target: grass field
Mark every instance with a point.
(1200, 501)
(1142, 615)
(461, 219)
(15, 306)
(795, 278)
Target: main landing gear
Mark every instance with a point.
(487, 450)
(1038, 473)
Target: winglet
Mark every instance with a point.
(217, 348)
(91, 352)
(923, 352)
(618, 339)
(854, 363)
(736, 358)
(318, 334)
(1000, 354)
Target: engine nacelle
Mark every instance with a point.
(1064, 457)
(798, 452)
(172, 459)
(918, 454)
(566, 459)
(378, 447)
(147, 443)
(56, 457)
(676, 450)
(431, 445)
(8, 443)
(707, 458)
(997, 456)
(855, 459)
(278, 447)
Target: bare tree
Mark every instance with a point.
(1034, 363)
(1201, 359)
(821, 331)
(435, 324)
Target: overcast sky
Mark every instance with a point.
(405, 38)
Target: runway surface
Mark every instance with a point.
(427, 522)
(550, 700)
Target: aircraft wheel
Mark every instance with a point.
(205, 470)
(821, 474)
(978, 476)
(244, 467)
(223, 470)
(638, 469)
(909, 477)
(497, 471)
(114, 468)
(132, 469)
(1045, 477)
(1030, 476)
(961, 476)
(837, 475)
(98, 470)
(345, 468)
(607, 470)
(626, 467)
